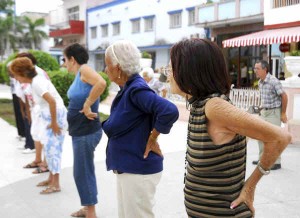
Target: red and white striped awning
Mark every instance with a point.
(265, 37)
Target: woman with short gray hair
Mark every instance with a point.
(138, 116)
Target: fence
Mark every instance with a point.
(245, 98)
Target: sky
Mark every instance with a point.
(36, 5)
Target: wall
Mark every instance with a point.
(123, 12)
(280, 15)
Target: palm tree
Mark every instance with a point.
(7, 36)
(34, 35)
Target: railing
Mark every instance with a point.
(284, 3)
(245, 98)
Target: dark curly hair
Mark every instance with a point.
(78, 52)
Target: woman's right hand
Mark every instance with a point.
(246, 196)
(88, 112)
(152, 145)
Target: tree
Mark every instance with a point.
(34, 35)
(7, 35)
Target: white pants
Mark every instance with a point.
(136, 194)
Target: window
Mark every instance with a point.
(284, 3)
(104, 30)
(135, 25)
(149, 23)
(116, 28)
(191, 17)
(175, 19)
(93, 32)
(73, 13)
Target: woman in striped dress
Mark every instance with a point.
(215, 183)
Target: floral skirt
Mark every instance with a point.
(53, 143)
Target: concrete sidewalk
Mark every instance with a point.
(277, 195)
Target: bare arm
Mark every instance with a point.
(52, 105)
(284, 101)
(91, 77)
(232, 120)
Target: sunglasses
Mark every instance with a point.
(63, 60)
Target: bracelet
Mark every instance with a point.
(88, 100)
(262, 170)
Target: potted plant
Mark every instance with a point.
(292, 63)
(146, 60)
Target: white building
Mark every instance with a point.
(67, 25)
(153, 25)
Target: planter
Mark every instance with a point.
(293, 65)
(145, 62)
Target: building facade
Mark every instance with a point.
(232, 18)
(67, 26)
(153, 25)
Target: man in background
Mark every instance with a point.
(273, 102)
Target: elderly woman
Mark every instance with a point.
(216, 153)
(148, 74)
(138, 116)
(53, 121)
(84, 124)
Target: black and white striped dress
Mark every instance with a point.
(215, 174)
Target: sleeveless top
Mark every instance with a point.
(79, 125)
(215, 174)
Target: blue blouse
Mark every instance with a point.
(79, 125)
(135, 111)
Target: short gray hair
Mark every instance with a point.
(264, 64)
(126, 54)
(149, 72)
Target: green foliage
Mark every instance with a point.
(106, 91)
(62, 80)
(146, 55)
(295, 53)
(44, 61)
(34, 35)
(7, 112)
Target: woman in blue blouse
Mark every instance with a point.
(138, 116)
(84, 124)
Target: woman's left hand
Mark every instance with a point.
(246, 196)
(152, 145)
(88, 112)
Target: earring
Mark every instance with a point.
(119, 77)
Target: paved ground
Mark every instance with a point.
(277, 195)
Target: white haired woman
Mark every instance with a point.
(148, 74)
(138, 116)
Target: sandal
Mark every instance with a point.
(43, 183)
(40, 169)
(33, 164)
(79, 213)
(50, 190)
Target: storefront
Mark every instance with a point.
(261, 42)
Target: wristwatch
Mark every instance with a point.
(262, 170)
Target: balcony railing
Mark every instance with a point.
(284, 3)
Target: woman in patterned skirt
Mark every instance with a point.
(53, 123)
(215, 183)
